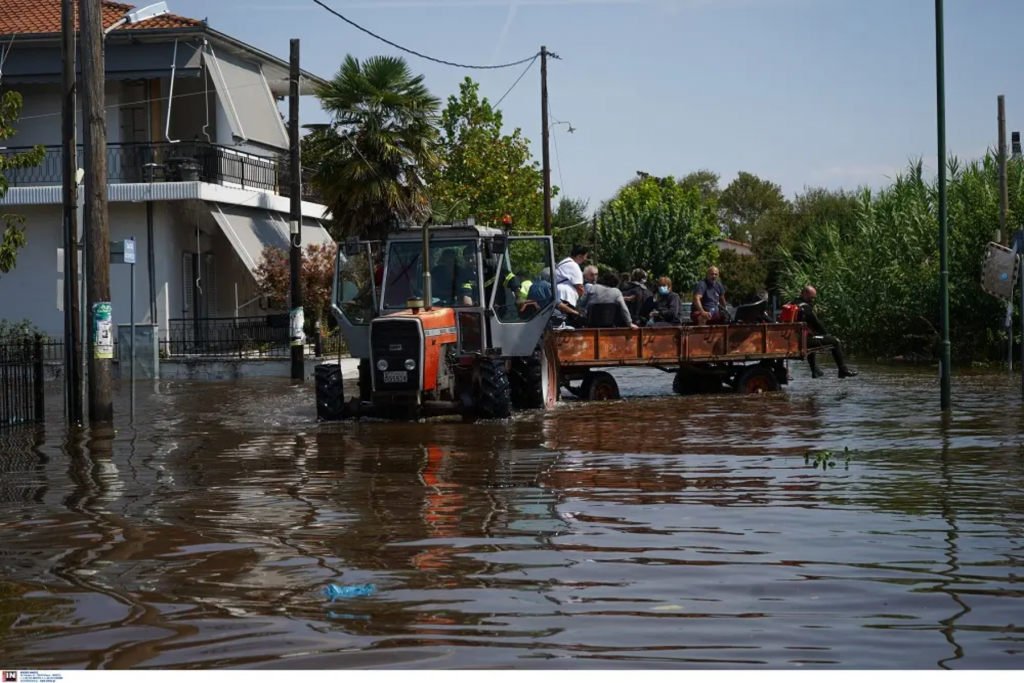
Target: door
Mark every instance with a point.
(199, 300)
(356, 293)
(521, 314)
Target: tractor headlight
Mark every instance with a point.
(382, 365)
(410, 364)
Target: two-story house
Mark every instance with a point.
(196, 158)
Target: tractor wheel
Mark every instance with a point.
(493, 394)
(534, 382)
(330, 393)
(365, 380)
(600, 386)
(756, 379)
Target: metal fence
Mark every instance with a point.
(171, 162)
(21, 383)
(252, 337)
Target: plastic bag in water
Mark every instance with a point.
(336, 592)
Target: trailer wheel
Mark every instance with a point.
(494, 396)
(757, 379)
(330, 392)
(365, 380)
(534, 382)
(600, 386)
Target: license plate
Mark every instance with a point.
(396, 377)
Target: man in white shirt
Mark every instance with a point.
(566, 298)
(568, 270)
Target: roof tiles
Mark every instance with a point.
(26, 17)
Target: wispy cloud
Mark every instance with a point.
(854, 172)
(512, 7)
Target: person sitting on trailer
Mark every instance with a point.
(604, 306)
(566, 316)
(665, 308)
(821, 337)
(590, 274)
(709, 300)
(636, 293)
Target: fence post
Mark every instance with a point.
(37, 366)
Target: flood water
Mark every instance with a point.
(654, 532)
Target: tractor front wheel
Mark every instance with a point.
(493, 394)
(330, 392)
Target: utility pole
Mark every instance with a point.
(593, 252)
(69, 170)
(940, 101)
(97, 231)
(297, 317)
(544, 137)
(1004, 199)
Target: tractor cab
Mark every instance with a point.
(443, 316)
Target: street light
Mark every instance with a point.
(564, 123)
(940, 93)
(138, 15)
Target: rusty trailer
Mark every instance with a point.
(745, 358)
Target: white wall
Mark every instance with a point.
(31, 289)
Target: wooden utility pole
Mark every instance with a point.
(544, 137)
(297, 318)
(593, 252)
(1004, 200)
(69, 168)
(97, 230)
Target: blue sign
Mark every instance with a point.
(129, 251)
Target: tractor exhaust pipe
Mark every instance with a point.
(428, 295)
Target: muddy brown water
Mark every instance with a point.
(654, 532)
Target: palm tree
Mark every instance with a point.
(370, 161)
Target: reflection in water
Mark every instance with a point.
(659, 531)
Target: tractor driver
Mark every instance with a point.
(506, 303)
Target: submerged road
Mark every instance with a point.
(654, 532)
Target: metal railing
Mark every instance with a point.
(252, 337)
(21, 383)
(171, 162)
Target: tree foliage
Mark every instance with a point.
(745, 201)
(877, 269)
(273, 279)
(371, 161)
(571, 224)
(658, 225)
(743, 275)
(483, 172)
(705, 182)
(12, 225)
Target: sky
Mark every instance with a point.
(806, 93)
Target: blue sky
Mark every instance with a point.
(803, 92)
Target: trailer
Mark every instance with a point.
(744, 358)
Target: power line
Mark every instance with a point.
(419, 54)
(525, 71)
(558, 160)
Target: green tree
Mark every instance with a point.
(706, 182)
(744, 202)
(484, 173)
(370, 162)
(13, 225)
(743, 275)
(571, 224)
(655, 224)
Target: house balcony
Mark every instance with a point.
(170, 162)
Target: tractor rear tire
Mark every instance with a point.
(531, 383)
(600, 386)
(494, 395)
(757, 379)
(365, 380)
(330, 392)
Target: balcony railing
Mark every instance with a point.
(171, 162)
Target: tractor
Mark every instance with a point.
(442, 322)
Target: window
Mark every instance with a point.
(453, 273)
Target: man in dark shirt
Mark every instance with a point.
(636, 294)
(708, 300)
(820, 337)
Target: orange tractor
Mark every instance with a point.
(444, 324)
